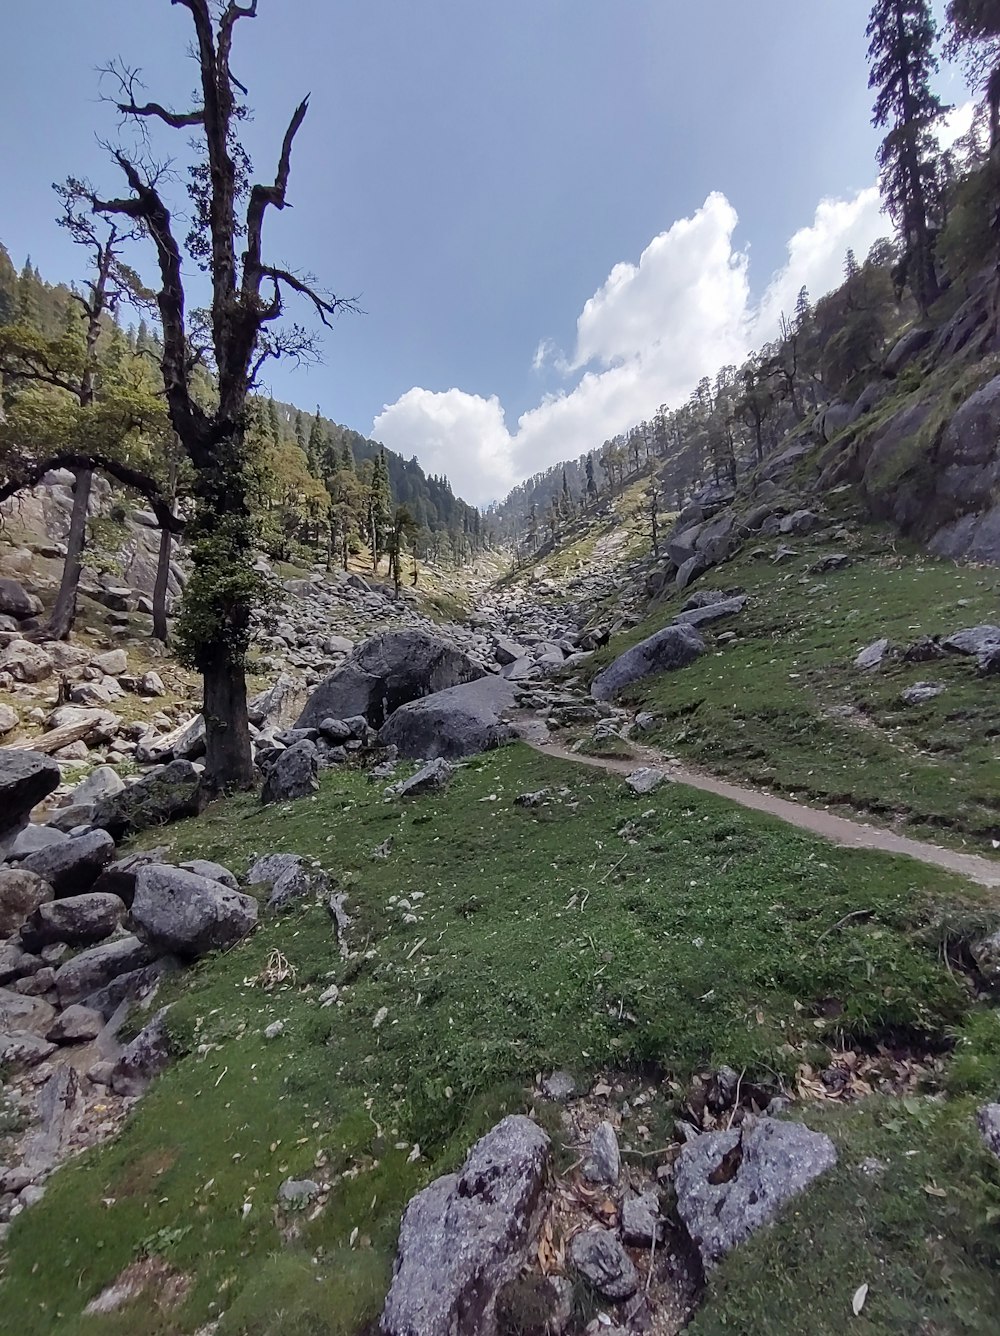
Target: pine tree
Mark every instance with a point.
(301, 440)
(901, 35)
(592, 492)
(347, 456)
(379, 508)
(314, 448)
(273, 421)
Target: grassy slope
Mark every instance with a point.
(763, 708)
(671, 931)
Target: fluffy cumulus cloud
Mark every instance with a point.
(644, 338)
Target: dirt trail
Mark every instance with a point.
(839, 829)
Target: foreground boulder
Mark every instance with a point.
(25, 779)
(730, 1184)
(461, 721)
(673, 647)
(21, 893)
(94, 969)
(384, 673)
(466, 1235)
(187, 915)
(79, 920)
(165, 795)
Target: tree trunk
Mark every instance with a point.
(64, 613)
(229, 761)
(160, 586)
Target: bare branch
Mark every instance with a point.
(177, 119)
(24, 473)
(326, 305)
(261, 196)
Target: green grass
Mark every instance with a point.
(783, 707)
(662, 934)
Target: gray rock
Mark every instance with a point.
(460, 721)
(75, 1025)
(466, 1235)
(730, 1184)
(667, 650)
(203, 867)
(921, 692)
(186, 915)
(21, 892)
(186, 742)
(905, 349)
(799, 522)
(508, 651)
(151, 684)
(988, 664)
(986, 953)
(289, 878)
(102, 782)
(872, 656)
(298, 1192)
(20, 1049)
(114, 663)
(9, 719)
(604, 1163)
(32, 838)
(25, 779)
(294, 773)
(599, 1257)
(16, 963)
(72, 867)
(432, 778)
(385, 673)
(640, 1219)
(119, 878)
(711, 612)
(16, 602)
(18, 1012)
(95, 968)
(645, 780)
(988, 1120)
(168, 794)
(336, 730)
(26, 662)
(137, 986)
(974, 640)
(559, 1086)
(77, 920)
(689, 570)
(146, 1056)
(280, 705)
(72, 820)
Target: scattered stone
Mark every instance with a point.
(186, 915)
(989, 1127)
(336, 730)
(672, 648)
(280, 705)
(708, 613)
(463, 1237)
(921, 692)
(298, 1192)
(640, 1219)
(729, 1184)
(974, 640)
(294, 773)
(75, 1025)
(599, 1257)
(604, 1163)
(186, 742)
(432, 778)
(16, 602)
(924, 650)
(559, 1086)
(833, 561)
(151, 684)
(102, 782)
(872, 656)
(274, 1029)
(26, 662)
(645, 780)
(9, 719)
(31, 838)
(20, 1049)
(289, 878)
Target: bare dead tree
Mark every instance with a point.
(248, 301)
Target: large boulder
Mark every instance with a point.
(711, 612)
(26, 662)
(167, 794)
(730, 1184)
(72, 867)
(16, 602)
(673, 647)
(384, 673)
(280, 705)
(465, 1236)
(95, 968)
(289, 878)
(144, 1057)
(458, 722)
(79, 920)
(186, 742)
(294, 773)
(187, 915)
(25, 779)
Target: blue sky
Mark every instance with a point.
(556, 213)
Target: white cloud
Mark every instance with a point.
(644, 338)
